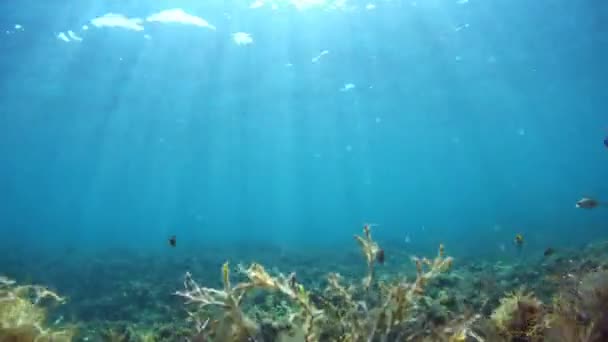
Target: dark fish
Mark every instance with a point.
(292, 280)
(587, 203)
(549, 251)
(172, 241)
(606, 142)
(380, 256)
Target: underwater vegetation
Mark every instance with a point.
(580, 311)
(388, 296)
(23, 313)
(430, 306)
(519, 317)
(369, 312)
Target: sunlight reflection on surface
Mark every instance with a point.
(300, 4)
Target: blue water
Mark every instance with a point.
(468, 123)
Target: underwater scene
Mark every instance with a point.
(303, 171)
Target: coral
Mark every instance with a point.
(347, 316)
(371, 251)
(386, 316)
(308, 317)
(520, 317)
(428, 269)
(339, 313)
(235, 325)
(402, 296)
(239, 326)
(22, 313)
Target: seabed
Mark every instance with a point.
(560, 296)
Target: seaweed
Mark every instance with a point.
(23, 313)
(579, 311)
(520, 317)
(565, 301)
(338, 313)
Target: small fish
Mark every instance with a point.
(549, 251)
(380, 256)
(519, 240)
(587, 203)
(519, 243)
(606, 142)
(172, 241)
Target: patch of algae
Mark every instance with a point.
(520, 315)
(23, 313)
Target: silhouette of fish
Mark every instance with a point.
(380, 256)
(549, 251)
(172, 241)
(587, 203)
